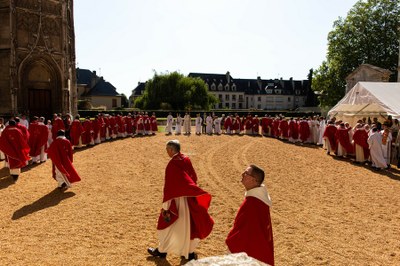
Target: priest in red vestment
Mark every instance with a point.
(184, 218)
(60, 153)
(57, 125)
(361, 147)
(344, 145)
(15, 146)
(76, 132)
(38, 135)
(252, 229)
(330, 137)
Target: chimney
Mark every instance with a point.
(228, 77)
(259, 82)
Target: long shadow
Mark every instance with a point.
(5, 179)
(392, 173)
(47, 201)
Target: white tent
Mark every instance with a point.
(368, 99)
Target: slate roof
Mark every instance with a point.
(138, 90)
(255, 86)
(101, 88)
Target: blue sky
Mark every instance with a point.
(125, 41)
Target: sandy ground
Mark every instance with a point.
(326, 211)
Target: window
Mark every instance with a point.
(213, 87)
(259, 106)
(288, 99)
(114, 102)
(240, 98)
(234, 105)
(227, 87)
(227, 97)
(240, 106)
(259, 98)
(227, 105)
(220, 87)
(233, 97)
(220, 97)
(233, 87)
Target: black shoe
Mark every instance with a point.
(155, 253)
(63, 187)
(192, 256)
(15, 177)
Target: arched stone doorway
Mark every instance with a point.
(40, 89)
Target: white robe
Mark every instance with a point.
(186, 124)
(375, 147)
(209, 123)
(176, 237)
(199, 122)
(178, 127)
(168, 127)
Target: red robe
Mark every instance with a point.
(330, 132)
(76, 132)
(252, 231)
(180, 181)
(87, 135)
(15, 146)
(284, 128)
(60, 153)
(304, 130)
(153, 121)
(293, 129)
(256, 125)
(342, 137)
(360, 137)
(228, 123)
(38, 135)
(56, 126)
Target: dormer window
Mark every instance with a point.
(233, 87)
(213, 87)
(268, 90)
(297, 92)
(227, 87)
(278, 91)
(220, 87)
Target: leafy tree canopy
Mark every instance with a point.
(368, 35)
(173, 91)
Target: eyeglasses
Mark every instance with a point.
(247, 173)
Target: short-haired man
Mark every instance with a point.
(252, 229)
(184, 218)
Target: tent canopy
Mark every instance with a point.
(369, 99)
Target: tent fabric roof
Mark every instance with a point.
(370, 99)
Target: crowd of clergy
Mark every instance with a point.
(31, 139)
(369, 141)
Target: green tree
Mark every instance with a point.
(175, 91)
(124, 101)
(368, 35)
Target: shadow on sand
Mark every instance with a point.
(47, 201)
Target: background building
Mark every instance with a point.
(96, 91)
(37, 57)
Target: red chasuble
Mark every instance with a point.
(38, 134)
(180, 181)
(60, 153)
(304, 130)
(330, 132)
(57, 125)
(360, 137)
(342, 136)
(252, 231)
(15, 146)
(76, 132)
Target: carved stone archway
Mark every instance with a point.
(40, 91)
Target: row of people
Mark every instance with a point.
(19, 144)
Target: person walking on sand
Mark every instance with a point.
(252, 229)
(60, 153)
(184, 218)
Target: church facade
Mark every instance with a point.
(37, 57)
